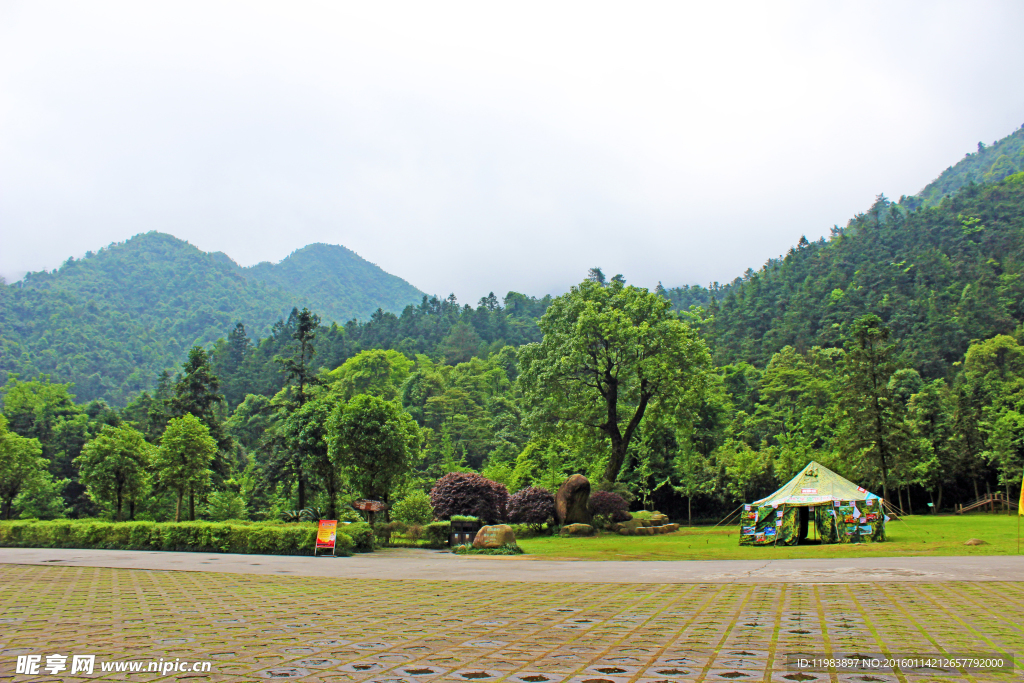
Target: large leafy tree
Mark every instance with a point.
(993, 378)
(373, 442)
(609, 353)
(183, 461)
(113, 466)
(305, 432)
(22, 470)
(375, 372)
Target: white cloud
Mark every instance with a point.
(472, 147)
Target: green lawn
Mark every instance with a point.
(915, 535)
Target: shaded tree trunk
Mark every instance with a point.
(620, 441)
(177, 509)
(191, 506)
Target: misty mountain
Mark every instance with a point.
(110, 322)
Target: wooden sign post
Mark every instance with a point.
(370, 507)
(326, 536)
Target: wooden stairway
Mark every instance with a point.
(991, 500)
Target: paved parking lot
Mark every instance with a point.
(253, 627)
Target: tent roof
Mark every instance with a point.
(816, 484)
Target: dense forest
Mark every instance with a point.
(890, 352)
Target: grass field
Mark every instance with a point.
(914, 535)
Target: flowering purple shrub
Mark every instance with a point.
(532, 505)
(465, 493)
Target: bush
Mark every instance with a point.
(414, 533)
(532, 505)
(507, 549)
(413, 509)
(531, 530)
(385, 530)
(361, 535)
(606, 503)
(436, 534)
(621, 516)
(277, 539)
(465, 493)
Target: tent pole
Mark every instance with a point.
(731, 514)
(886, 504)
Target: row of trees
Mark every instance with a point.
(620, 387)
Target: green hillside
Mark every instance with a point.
(942, 268)
(939, 277)
(112, 321)
(989, 164)
(336, 283)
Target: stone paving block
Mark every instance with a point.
(252, 627)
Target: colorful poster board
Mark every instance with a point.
(326, 535)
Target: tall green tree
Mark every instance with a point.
(183, 461)
(299, 369)
(302, 377)
(197, 393)
(608, 354)
(875, 430)
(373, 442)
(931, 413)
(113, 466)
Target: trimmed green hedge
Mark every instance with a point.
(436, 534)
(181, 536)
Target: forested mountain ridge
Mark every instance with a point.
(990, 164)
(939, 277)
(112, 321)
(335, 282)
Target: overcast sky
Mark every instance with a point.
(470, 147)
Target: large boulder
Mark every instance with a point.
(572, 501)
(494, 536)
(577, 530)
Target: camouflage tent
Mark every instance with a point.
(833, 509)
